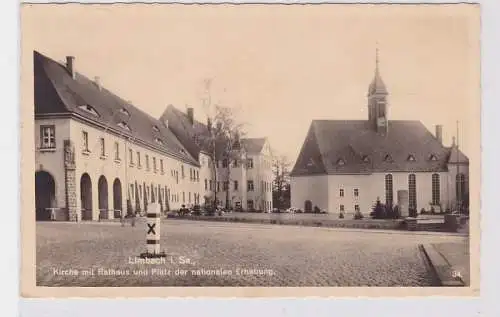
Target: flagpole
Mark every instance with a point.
(459, 182)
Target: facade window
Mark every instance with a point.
(117, 151)
(132, 191)
(235, 163)
(189, 197)
(182, 171)
(436, 192)
(103, 148)
(206, 184)
(226, 185)
(147, 162)
(131, 156)
(138, 159)
(154, 164)
(224, 163)
(183, 197)
(218, 186)
(85, 137)
(250, 186)
(341, 192)
(412, 192)
(161, 166)
(356, 208)
(191, 174)
(198, 176)
(211, 184)
(250, 204)
(250, 163)
(341, 207)
(388, 190)
(356, 192)
(235, 185)
(48, 137)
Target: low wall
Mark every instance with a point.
(329, 223)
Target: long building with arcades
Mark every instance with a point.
(98, 156)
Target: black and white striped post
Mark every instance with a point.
(153, 232)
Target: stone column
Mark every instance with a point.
(403, 203)
(70, 181)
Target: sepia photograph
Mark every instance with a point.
(255, 149)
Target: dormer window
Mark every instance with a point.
(89, 109)
(433, 157)
(124, 125)
(366, 159)
(155, 129)
(125, 112)
(388, 158)
(340, 162)
(159, 141)
(411, 158)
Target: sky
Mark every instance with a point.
(281, 66)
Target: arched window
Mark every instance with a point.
(436, 189)
(460, 187)
(412, 192)
(388, 190)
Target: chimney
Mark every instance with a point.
(439, 133)
(190, 114)
(97, 82)
(70, 65)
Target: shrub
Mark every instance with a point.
(433, 211)
(316, 210)
(379, 211)
(412, 212)
(395, 213)
(341, 216)
(422, 211)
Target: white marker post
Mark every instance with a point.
(153, 232)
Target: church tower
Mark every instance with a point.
(377, 101)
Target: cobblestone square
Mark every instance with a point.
(230, 254)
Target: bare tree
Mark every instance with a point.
(222, 141)
(281, 181)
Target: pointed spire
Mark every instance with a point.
(377, 85)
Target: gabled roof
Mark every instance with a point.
(57, 93)
(194, 135)
(352, 141)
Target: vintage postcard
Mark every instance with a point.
(250, 150)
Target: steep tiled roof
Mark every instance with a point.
(180, 124)
(57, 92)
(354, 147)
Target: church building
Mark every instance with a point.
(345, 165)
